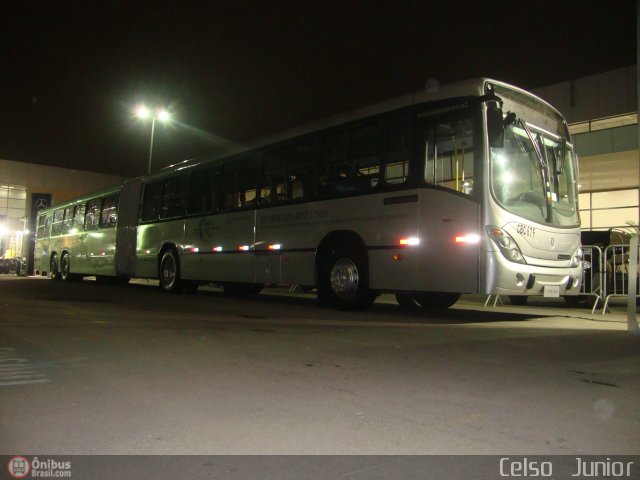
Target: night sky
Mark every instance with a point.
(233, 71)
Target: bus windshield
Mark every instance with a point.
(534, 176)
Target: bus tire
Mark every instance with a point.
(169, 272)
(344, 281)
(518, 299)
(436, 300)
(234, 289)
(65, 268)
(406, 300)
(54, 271)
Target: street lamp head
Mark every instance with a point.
(142, 112)
(163, 115)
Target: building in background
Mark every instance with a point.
(26, 188)
(603, 120)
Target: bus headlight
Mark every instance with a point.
(507, 245)
(577, 258)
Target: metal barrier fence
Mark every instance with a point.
(616, 274)
(593, 278)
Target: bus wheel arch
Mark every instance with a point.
(342, 271)
(169, 269)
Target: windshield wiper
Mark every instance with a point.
(535, 144)
(543, 166)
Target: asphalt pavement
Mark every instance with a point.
(97, 369)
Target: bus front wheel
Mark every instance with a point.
(169, 273)
(54, 272)
(344, 283)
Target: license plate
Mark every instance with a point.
(552, 291)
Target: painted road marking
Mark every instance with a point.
(16, 370)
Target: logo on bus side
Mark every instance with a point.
(205, 229)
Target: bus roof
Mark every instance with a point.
(467, 88)
(83, 198)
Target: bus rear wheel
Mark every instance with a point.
(169, 273)
(54, 271)
(436, 300)
(65, 268)
(344, 281)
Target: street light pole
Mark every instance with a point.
(153, 127)
(143, 112)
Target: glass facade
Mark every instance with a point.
(13, 210)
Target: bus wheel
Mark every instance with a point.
(518, 299)
(406, 300)
(170, 272)
(65, 268)
(242, 289)
(436, 300)
(54, 272)
(344, 283)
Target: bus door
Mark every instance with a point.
(127, 229)
(449, 206)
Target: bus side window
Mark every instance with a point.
(365, 156)
(78, 217)
(56, 227)
(301, 170)
(151, 201)
(41, 225)
(68, 220)
(333, 163)
(450, 158)
(201, 196)
(109, 216)
(173, 199)
(246, 180)
(92, 217)
(398, 150)
(274, 180)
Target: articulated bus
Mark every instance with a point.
(468, 189)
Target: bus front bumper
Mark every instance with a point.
(509, 278)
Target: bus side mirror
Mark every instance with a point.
(495, 126)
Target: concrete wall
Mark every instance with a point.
(62, 183)
(596, 96)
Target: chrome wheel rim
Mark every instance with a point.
(344, 278)
(168, 271)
